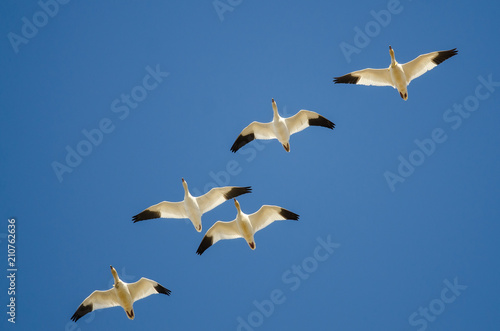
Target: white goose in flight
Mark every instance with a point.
(192, 207)
(245, 226)
(280, 128)
(121, 294)
(397, 75)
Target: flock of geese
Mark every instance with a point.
(244, 225)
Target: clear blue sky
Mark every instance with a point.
(398, 251)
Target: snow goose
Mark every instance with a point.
(280, 128)
(121, 294)
(245, 226)
(397, 75)
(192, 207)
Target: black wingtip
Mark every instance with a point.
(444, 55)
(81, 311)
(321, 121)
(160, 289)
(242, 141)
(237, 191)
(146, 215)
(346, 79)
(289, 215)
(205, 243)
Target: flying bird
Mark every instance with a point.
(121, 294)
(244, 226)
(192, 207)
(280, 128)
(397, 75)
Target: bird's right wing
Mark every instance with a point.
(268, 214)
(163, 209)
(376, 77)
(97, 300)
(425, 62)
(305, 118)
(218, 195)
(254, 130)
(218, 231)
(144, 287)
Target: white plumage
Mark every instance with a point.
(192, 207)
(397, 75)
(280, 128)
(122, 294)
(245, 226)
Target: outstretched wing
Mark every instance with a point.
(97, 300)
(145, 287)
(305, 118)
(163, 209)
(218, 231)
(425, 62)
(254, 130)
(268, 214)
(375, 77)
(218, 195)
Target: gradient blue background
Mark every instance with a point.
(396, 248)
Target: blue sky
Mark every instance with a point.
(420, 253)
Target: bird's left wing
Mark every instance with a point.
(305, 118)
(425, 62)
(376, 77)
(145, 287)
(254, 130)
(97, 300)
(164, 209)
(218, 195)
(268, 214)
(218, 231)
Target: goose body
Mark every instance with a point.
(280, 128)
(191, 207)
(397, 75)
(122, 294)
(245, 226)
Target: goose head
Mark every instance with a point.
(115, 275)
(275, 108)
(393, 59)
(237, 205)
(186, 189)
